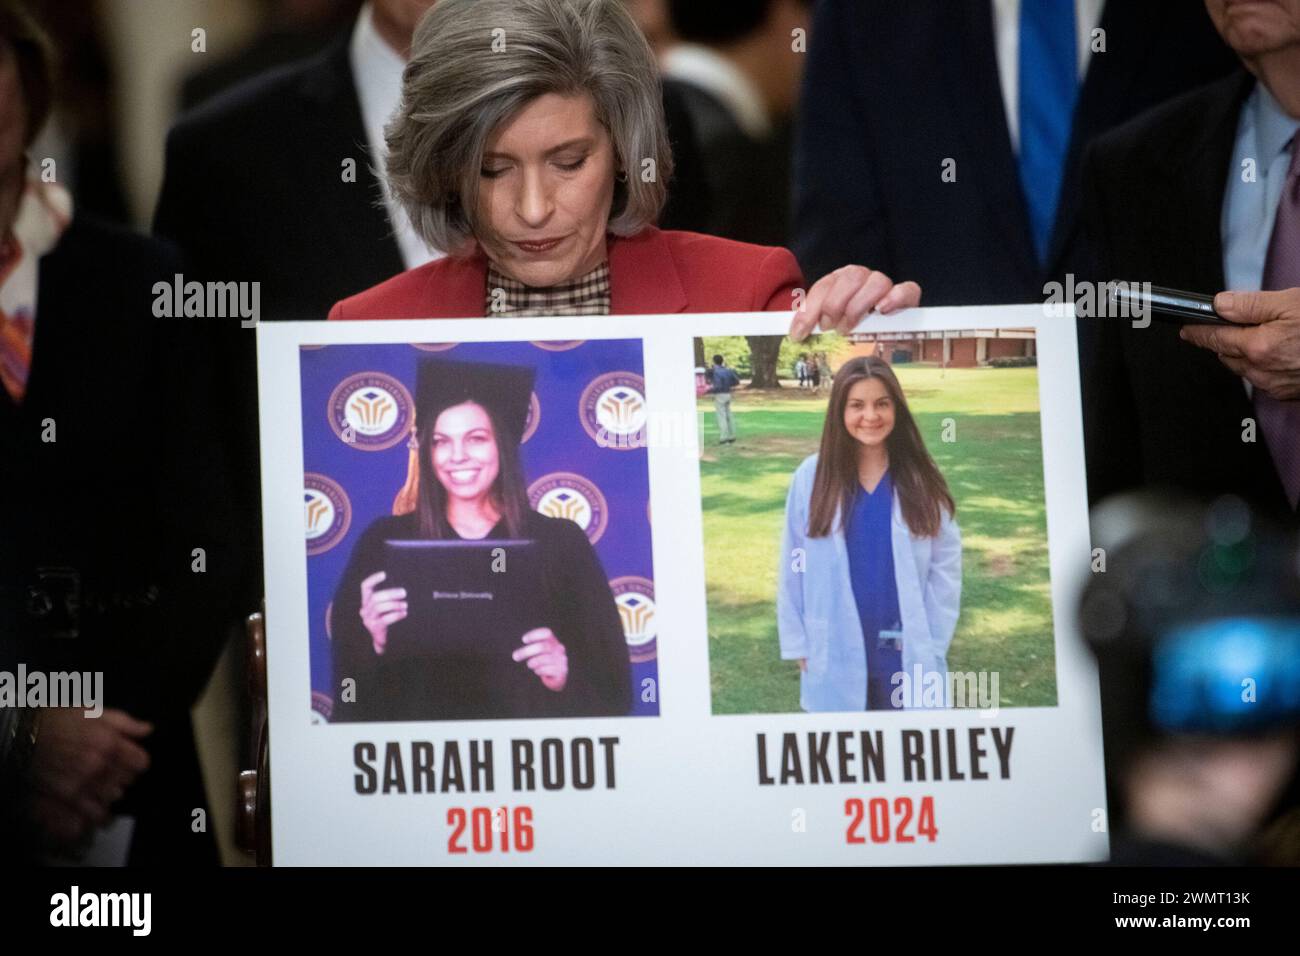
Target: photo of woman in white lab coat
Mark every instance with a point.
(869, 584)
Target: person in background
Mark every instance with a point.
(801, 370)
(823, 371)
(919, 147)
(98, 426)
(722, 380)
(1203, 194)
(739, 66)
(310, 231)
(309, 222)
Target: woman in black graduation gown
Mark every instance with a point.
(570, 660)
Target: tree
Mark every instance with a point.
(764, 351)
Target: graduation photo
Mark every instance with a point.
(477, 544)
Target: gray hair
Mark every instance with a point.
(476, 63)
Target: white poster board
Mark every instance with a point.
(697, 779)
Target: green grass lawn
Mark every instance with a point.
(995, 471)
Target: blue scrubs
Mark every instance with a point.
(875, 589)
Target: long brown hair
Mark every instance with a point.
(508, 493)
(921, 488)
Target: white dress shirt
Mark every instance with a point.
(377, 72)
(1006, 37)
(1264, 132)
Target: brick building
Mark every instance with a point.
(967, 348)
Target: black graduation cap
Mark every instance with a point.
(505, 390)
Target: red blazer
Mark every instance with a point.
(651, 273)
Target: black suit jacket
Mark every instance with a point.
(254, 190)
(99, 524)
(748, 176)
(1157, 410)
(893, 89)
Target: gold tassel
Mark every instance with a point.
(407, 498)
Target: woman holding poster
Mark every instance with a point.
(531, 147)
(473, 605)
(870, 573)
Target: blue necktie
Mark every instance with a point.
(1048, 88)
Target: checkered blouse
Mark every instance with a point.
(507, 298)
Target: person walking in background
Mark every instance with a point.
(823, 371)
(801, 370)
(722, 381)
(814, 374)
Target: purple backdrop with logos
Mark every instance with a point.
(583, 453)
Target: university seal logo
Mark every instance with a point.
(635, 597)
(613, 410)
(563, 494)
(371, 411)
(327, 513)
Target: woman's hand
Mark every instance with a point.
(841, 299)
(380, 609)
(546, 657)
(803, 664)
